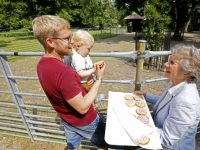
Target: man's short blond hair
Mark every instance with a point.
(48, 26)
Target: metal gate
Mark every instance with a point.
(21, 116)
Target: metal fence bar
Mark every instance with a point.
(14, 130)
(29, 94)
(47, 130)
(11, 125)
(43, 123)
(39, 107)
(37, 116)
(13, 113)
(11, 119)
(154, 80)
(133, 54)
(8, 92)
(16, 135)
(10, 104)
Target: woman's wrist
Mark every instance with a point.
(144, 94)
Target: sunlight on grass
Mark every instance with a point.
(26, 42)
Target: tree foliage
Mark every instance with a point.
(181, 11)
(98, 13)
(16, 14)
(12, 15)
(156, 23)
(130, 6)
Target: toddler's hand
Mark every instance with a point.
(100, 63)
(90, 82)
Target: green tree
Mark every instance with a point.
(130, 6)
(11, 15)
(156, 22)
(98, 12)
(180, 11)
(16, 14)
(194, 21)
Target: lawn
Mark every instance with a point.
(26, 42)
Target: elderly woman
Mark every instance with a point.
(176, 112)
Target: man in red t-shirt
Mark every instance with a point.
(62, 85)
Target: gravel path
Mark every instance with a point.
(116, 69)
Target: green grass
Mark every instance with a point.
(11, 42)
(19, 44)
(16, 44)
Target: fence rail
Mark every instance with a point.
(21, 116)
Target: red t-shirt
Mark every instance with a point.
(61, 83)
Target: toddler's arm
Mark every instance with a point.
(86, 73)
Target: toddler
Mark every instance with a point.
(81, 62)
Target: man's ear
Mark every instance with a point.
(49, 42)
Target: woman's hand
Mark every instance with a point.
(140, 93)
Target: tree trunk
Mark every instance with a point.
(179, 31)
(186, 26)
(181, 11)
(183, 15)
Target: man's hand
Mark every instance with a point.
(100, 69)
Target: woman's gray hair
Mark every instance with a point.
(190, 60)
